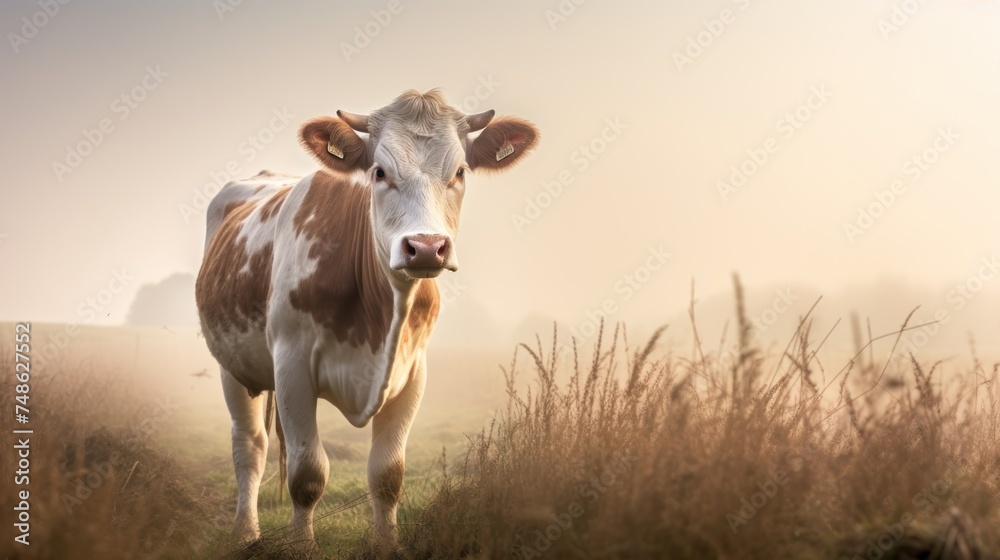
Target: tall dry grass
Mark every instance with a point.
(616, 451)
(100, 487)
(724, 455)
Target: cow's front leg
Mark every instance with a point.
(308, 465)
(249, 453)
(390, 429)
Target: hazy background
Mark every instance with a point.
(132, 204)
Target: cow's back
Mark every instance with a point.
(235, 277)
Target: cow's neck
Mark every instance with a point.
(411, 306)
(353, 294)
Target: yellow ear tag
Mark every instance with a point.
(505, 151)
(334, 151)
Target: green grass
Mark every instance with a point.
(343, 515)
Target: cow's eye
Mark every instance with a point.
(460, 173)
(379, 173)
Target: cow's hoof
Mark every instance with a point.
(245, 535)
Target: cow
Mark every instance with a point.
(323, 287)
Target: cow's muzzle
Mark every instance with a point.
(426, 255)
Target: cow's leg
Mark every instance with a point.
(390, 429)
(308, 465)
(249, 452)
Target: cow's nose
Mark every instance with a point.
(426, 251)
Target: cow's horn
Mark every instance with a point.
(479, 120)
(357, 122)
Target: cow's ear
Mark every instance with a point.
(335, 144)
(501, 144)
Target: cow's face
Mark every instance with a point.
(417, 154)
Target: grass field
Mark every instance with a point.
(616, 449)
(141, 412)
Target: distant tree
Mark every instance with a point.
(169, 302)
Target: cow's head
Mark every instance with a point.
(416, 154)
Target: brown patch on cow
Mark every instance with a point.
(348, 293)
(273, 204)
(307, 483)
(423, 311)
(388, 485)
(227, 298)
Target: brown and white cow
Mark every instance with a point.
(322, 287)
